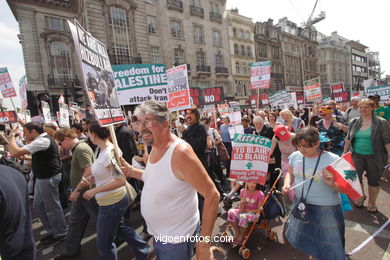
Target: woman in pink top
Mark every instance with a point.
(251, 199)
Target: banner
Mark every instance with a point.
(195, 96)
(178, 88)
(312, 90)
(223, 109)
(6, 86)
(137, 83)
(250, 158)
(213, 95)
(300, 100)
(235, 118)
(7, 117)
(46, 112)
(63, 120)
(382, 91)
(280, 99)
(98, 78)
(337, 88)
(341, 96)
(210, 109)
(23, 92)
(261, 74)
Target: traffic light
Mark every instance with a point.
(77, 94)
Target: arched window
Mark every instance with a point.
(60, 60)
(121, 49)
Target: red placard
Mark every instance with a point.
(7, 117)
(264, 99)
(341, 97)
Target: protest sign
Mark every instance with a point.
(6, 86)
(209, 109)
(97, 76)
(178, 88)
(341, 96)
(234, 103)
(250, 158)
(23, 92)
(300, 100)
(140, 82)
(63, 120)
(264, 99)
(223, 109)
(261, 74)
(213, 95)
(46, 112)
(279, 99)
(235, 129)
(253, 101)
(337, 87)
(195, 96)
(8, 117)
(312, 90)
(75, 111)
(235, 118)
(382, 91)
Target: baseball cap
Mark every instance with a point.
(282, 132)
(375, 96)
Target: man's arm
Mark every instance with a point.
(187, 166)
(130, 171)
(14, 149)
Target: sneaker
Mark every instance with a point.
(45, 238)
(54, 241)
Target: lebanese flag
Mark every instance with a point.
(346, 177)
(61, 99)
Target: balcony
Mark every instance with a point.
(59, 83)
(175, 4)
(188, 66)
(222, 71)
(203, 69)
(216, 17)
(196, 10)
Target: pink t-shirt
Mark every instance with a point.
(252, 200)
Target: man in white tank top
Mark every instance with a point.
(172, 178)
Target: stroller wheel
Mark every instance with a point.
(246, 253)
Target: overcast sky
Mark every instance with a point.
(366, 21)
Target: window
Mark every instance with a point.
(121, 50)
(234, 32)
(60, 60)
(151, 1)
(238, 67)
(56, 23)
(242, 50)
(151, 24)
(263, 50)
(244, 67)
(236, 51)
(195, 3)
(200, 58)
(198, 34)
(155, 54)
(176, 29)
(275, 53)
(247, 36)
(179, 56)
(249, 51)
(217, 38)
(214, 7)
(219, 60)
(240, 33)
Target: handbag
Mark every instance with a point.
(300, 210)
(222, 152)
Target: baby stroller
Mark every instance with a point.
(270, 208)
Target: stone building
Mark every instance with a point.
(134, 31)
(334, 61)
(268, 47)
(374, 66)
(242, 52)
(359, 64)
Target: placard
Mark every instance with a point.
(195, 96)
(63, 120)
(178, 88)
(312, 90)
(212, 95)
(261, 74)
(46, 112)
(6, 86)
(8, 117)
(382, 91)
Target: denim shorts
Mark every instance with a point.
(367, 163)
(323, 236)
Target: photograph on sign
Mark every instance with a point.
(178, 88)
(137, 83)
(6, 86)
(261, 74)
(250, 158)
(282, 99)
(64, 115)
(98, 78)
(46, 112)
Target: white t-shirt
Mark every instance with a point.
(103, 171)
(40, 143)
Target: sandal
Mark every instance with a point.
(372, 209)
(359, 203)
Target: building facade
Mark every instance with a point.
(359, 64)
(170, 32)
(241, 42)
(334, 61)
(268, 47)
(374, 66)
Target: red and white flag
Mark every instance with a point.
(61, 99)
(346, 177)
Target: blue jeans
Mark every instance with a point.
(110, 222)
(182, 251)
(47, 204)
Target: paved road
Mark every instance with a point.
(359, 226)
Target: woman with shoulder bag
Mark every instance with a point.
(368, 138)
(316, 223)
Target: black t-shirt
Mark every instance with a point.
(16, 239)
(196, 136)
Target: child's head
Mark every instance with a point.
(251, 186)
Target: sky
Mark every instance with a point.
(366, 21)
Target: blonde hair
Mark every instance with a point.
(287, 112)
(367, 101)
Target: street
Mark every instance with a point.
(359, 226)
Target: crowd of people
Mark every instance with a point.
(179, 167)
